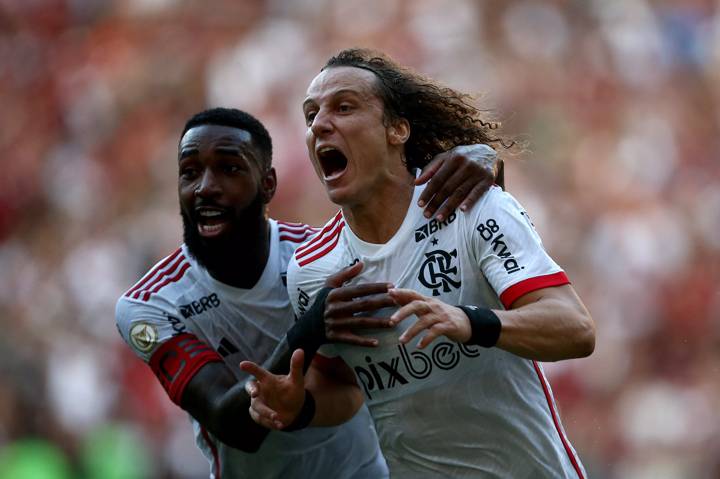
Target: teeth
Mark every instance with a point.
(210, 213)
(325, 149)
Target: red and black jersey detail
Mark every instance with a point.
(177, 360)
(168, 271)
(529, 285)
(322, 243)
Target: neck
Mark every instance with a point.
(243, 262)
(379, 217)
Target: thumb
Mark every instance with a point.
(296, 367)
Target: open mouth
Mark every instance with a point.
(332, 161)
(211, 221)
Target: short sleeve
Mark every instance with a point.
(509, 250)
(145, 326)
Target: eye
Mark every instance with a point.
(188, 173)
(232, 168)
(309, 117)
(344, 107)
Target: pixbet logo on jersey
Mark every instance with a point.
(488, 232)
(411, 365)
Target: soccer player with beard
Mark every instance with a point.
(468, 399)
(221, 298)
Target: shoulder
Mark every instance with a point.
(321, 245)
(166, 273)
(290, 236)
(294, 233)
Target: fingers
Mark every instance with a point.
(460, 180)
(368, 304)
(421, 324)
(430, 170)
(251, 388)
(263, 415)
(296, 368)
(344, 275)
(474, 196)
(403, 296)
(348, 337)
(446, 169)
(254, 369)
(347, 293)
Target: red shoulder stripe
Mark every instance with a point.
(324, 232)
(296, 236)
(318, 242)
(173, 279)
(335, 238)
(158, 277)
(153, 272)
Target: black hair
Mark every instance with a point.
(235, 118)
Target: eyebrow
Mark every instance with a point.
(334, 94)
(187, 151)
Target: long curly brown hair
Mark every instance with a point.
(440, 118)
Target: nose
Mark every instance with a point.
(207, 185)
(321, 124)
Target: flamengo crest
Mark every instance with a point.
(436, 270)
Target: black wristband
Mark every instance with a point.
(484, 324)
(308, 332)
(306, 414)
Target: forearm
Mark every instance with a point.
(221, 404)
(547, 328)
(335, 404)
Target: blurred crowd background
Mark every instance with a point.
(617, 104)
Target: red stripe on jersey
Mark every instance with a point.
(529, 285)
(293, 239)
(295, 235)
(558, 427)
(161, 274)
(334, 241)
(172, 279)
(323, 233)
(177, 360)
(213, 450)
(298, 228)
(318, 243)
(153, 272)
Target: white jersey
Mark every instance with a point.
(179, 296)
(450, 410)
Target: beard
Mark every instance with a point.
(216, 253)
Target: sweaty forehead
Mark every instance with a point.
(205, 135)
(338, 79)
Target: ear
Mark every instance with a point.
(398, 132)
(268, 183)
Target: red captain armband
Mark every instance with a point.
(177, 360)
